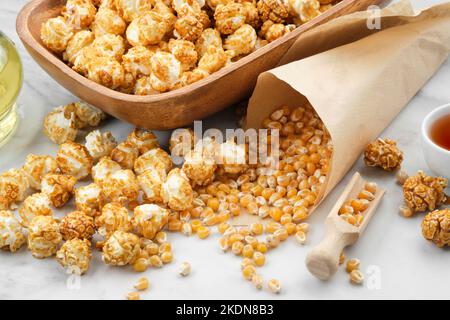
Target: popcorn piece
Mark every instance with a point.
(156, 158)
(43, 237)
(167, 13)
(79, 13)
(74, 159)
(143, 139)
(143, 87)
(166, 71)
(121, 249)
(114, 217)
(87, 115)
(232, 157)
(383, 153)
(58, 188)
(60, 127)
(56, 33)
(242, 41)
(103, 168)
(198, 168)
(188, 27)
(149, 219)
(75, 256)
(189, 77)
(275, 10)
(177, 191)
(77, 224)
(84, 58)
(106, 71)
(181, 142)
(213, 60)
(121, 186)
(209, 37)
(125, 154)
(80, 40)
(183, 6)
(110, 45)
(305, 9)
(422, 192)
(137, 61)
(147, 29)
(37, 204)
(131, 9)
(4, 203)
(108, 21)
(99, 144)
(185, 269)
(151, 183)
(89, 199)
(273, 31)
(436, 227)
(213, 4)
(11, 234)
(36, 167)
(185, 52)
(13, 185)
(128, 84)
(251, 14)
(229, 17)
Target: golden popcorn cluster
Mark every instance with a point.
(146, 47)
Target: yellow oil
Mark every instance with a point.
(10, 85)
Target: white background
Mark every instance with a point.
(409, 266)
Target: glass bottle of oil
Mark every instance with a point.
(10, 85)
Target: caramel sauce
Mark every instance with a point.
(440, 132)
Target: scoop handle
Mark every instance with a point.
(323, 260)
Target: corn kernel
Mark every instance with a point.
(303, 227)
(161, 237)
(256, 229)
(291, 228)
(367, 195)
(186, 229)
(259, 259)
(203, 232)
(152, 249)
(248, 272)
(167, 257)
(371, 187)
(272, 241)
(359, 205)
(195, 224)
(281, 234)
(244, 232)
(223, 227)
(213, 203)
(261, 247)
(285, 218)
(271, 227)
(155, 261)
(352, 264)
(133, 296)
(165, 247)
(185, 269)
(258, 281)
(245, 262)
(274, 286)
(300, 237)
(300, 214)
(237, 248)
(247, 251)
(356, 277)
(140, 265)
(142, 284)
(342, 258)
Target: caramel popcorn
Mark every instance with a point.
(151, 183)
(108, 21)
(121, 186)
(275, 10)
(251, 14)
(137, 61)
(190, 6)
(209, 37)
(156, 158)
(184, 51)
(177, 191)
(36, 167)
(143, 139)
(77, 224)
(213, 4)
(147, 29)
(436, 227)
(233, 157)
(13, 185)
(110, 45)
(58, 188)
(143, 87)
(84, 58)
(56, 33)
(86, 115)
(125, 154)
(89, 199)
(99, 144)
(121, 248)
(114, 217)
(242, 41)
(383, 153)
(43, 236)
(11, 235)
(60, 127)
(167, 13)
(131, 9)
(166, 71)
(188, 27)
(213, 60)
(190, 77)
(422, 192)
(79, 13)
(80, 40)
(181, 142)
(273, 31)
(75, 256)
(149, 219)
(103, 168)
(305, 9)
(74, 159)
(37, 204)
(229, 17)
(106, 71)
(198, 168)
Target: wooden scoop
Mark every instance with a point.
(323, 260)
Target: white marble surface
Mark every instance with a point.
(409, 267)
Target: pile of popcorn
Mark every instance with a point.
(134, 193)
(146, 47)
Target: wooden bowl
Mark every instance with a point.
(171, 109)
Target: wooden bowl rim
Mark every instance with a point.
(22, 26)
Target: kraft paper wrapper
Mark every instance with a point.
(358, 88)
